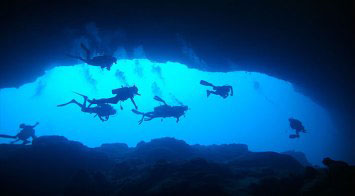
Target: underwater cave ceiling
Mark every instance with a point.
(306, 43)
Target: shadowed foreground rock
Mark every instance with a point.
(54, 165)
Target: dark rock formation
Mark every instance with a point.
(299, 156)
(54, 165)
(270, 160)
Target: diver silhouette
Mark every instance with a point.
(26, 132)
(122, 94)
(163, 111)
(222, 91)
(296, 125)
(103, 61)
(103, 111)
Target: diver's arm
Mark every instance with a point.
(231, 89)
(134, 103)
(37, 123)
(103, 120)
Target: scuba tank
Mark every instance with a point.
(122, 90)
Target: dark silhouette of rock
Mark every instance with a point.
(54, 165)
(299, 156)
(270, 160)
(115, 151)
(221, 153)
(163, 149)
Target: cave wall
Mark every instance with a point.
(306, 43)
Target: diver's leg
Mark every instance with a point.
(83, 106)
(141, 120)
(93, 101)
(72, 101)
(103, 120)
(177, 119)
(14, 141)
(148, 119)
(134, 103)
(25, 142)
(211, 92)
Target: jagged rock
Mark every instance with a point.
(270, 160)
(299, 156)
(116, 151)
(54, 165)
(54, 140)
(221, 153)
(163, 149)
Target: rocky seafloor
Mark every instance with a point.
(54, 165)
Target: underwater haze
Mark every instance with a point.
(257, 114)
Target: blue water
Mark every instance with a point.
(254, 116)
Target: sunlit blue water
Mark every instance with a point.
(254, 116)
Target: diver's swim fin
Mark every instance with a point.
(80, 94)
(205, 83)
(160, 100)
(7, 136)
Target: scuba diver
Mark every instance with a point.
(122, 94)
(103, 61)
(163, 111)
(26, 132)
(103, 111)
(296, 125)
(222, 91)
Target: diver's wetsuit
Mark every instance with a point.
(26, 132)
(162, 111)
(122, 94)
(296, 125)
(101, 110)
(222, 91)
(101, 61)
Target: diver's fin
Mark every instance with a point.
(76, 57)
(137, 112)
(7, 136)
(64, 104)
(86, 50)
(80, 94)
(205, 83)
(160, 100)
